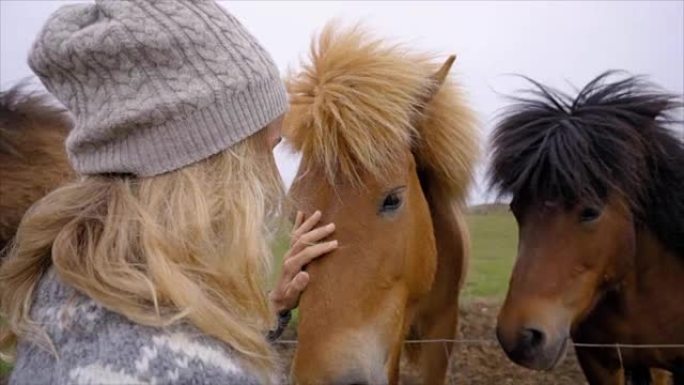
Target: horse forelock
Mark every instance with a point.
(360, 104)
(32, 157)
(613, 136)
(20, 108)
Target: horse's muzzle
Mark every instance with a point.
(532, 347)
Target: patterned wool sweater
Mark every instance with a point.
(97, 346)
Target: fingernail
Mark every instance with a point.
(333, 243)
(330, 226)
(318, 212)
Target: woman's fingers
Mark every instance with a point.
(293, 265)
(304, 247)
(312, 237)
(296, 287)
(305, 227)
(298, 220)
(300, 281)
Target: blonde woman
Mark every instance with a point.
(152, 268)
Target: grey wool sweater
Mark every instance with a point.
(97, 346)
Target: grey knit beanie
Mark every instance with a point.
(155, 85)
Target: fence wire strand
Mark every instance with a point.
(494, 342)
(465, 341)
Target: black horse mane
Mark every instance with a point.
(19, 106)
(613, 137)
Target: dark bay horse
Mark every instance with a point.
(597, 186)
(388, 150)
(33, 161)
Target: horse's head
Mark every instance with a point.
(354, 311)
(374, 124)
(568, 256)
(576, 169)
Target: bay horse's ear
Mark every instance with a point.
(440, 76)
(655, 108)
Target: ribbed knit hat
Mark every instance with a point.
(155, 85)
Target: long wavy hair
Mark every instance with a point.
(189, 245)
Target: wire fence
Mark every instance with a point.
(492, 342)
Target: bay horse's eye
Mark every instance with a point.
(392, 201)
(589, 214)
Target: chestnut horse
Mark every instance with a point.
(597, 183)
(32, 157)
(388, 149)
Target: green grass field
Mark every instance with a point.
(494, 240)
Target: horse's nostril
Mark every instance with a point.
(531, 338)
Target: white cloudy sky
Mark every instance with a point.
(559, 43)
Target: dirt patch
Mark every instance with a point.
(478, 363)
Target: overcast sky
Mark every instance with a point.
(559, 43)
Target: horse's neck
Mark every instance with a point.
(650, 291)
(656, 269)
(451, 234)
(646, 305)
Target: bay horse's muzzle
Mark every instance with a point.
(532, 347)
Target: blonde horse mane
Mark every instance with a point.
(361, 101)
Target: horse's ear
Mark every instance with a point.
(438, 78)
(655, 108)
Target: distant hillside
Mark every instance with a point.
(488, 208)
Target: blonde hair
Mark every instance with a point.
(185, 245)
(359, 101)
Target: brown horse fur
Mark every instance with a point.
(598, 192)
(32, 157)
(371, 119)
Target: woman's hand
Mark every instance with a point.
(304, 247)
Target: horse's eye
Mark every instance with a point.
(589, 214)
(392, 202)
